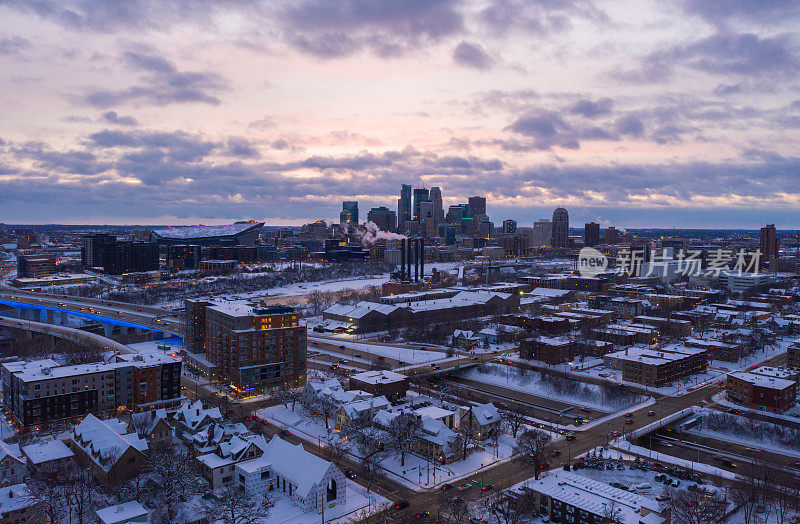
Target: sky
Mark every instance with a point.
(633, 113)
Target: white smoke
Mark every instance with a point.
(372, 233)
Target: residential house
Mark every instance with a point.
(18, 506)
(482, 421)
(359, 413)
(313, 483)
(112, 454)
(48, 456)
(128, 512)
(466, 339)
(12, 464)
(155, 427)
(192, 418)
(489, 335)
(218, 467)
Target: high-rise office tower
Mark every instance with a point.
(612, 235)
(560, 228)
(509, 227)
(591, 234)
(421, 194)
(382, 217)
(477, 205)
(352, 207)
(92, 249)
(769, 246)
(542, 233)
(404, 205)
(436, 199)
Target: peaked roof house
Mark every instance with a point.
(483, 420)
(466, 339)
(192, 418)
(292, 471)
(360, 412)
(218, 467)
(12, 464)
(111, 453)
(207, 440)
(154, 426)
(17, 505)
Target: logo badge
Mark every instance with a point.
(591, 262)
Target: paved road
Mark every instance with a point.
(141, 315)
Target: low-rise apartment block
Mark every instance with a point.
(40, 391)
(657, 367)
(762, 389)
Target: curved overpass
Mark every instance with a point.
(77, 336)
(106, 312)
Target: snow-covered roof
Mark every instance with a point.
(548, 292)
(378, 377)
(11, 450)
(189, 232)
(42, 452)
(105, 441)
(462, 333)
(360, 406)
(125, 512)
(763, 381)
(433, 412)
(594, 496)
(292, 462)
(16, 497)
(485, 414)
(193, 415)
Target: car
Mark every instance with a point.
(334, 366)
(628, 415)
(285, 432)
(422, 515)
(615, 434)
(660, 477)
(401, 504)
(446, 486)
(619, 485)
(487, 487)
(676, 483)
(349, 473)
(629, 421)
(651, 413)
(464, 487)
(569, 437)
(556, 453)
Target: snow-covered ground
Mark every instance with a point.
(716, 372)
(359, 503)
(408, 355)
(747, 432)
(417, 473)
(587, 395)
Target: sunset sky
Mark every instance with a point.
(633, 113)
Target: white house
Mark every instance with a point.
(218, 467)
(192, 418)
(12, 464)
(17, 505)
(466, 339)
(294, 472)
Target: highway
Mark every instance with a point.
(144, 316)
(67, 333)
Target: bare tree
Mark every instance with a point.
(515, 419)
(235, 506)
(81, 494)
(404, 432)
(507, 508)
(458, 509)
(337, 450)
(695, 507)
(50, 492)
(531, 447)
(612, 512)
(371, 469)
(175, 473)
(783, 497)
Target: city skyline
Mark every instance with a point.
(635, 114)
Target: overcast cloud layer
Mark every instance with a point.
(635, 113)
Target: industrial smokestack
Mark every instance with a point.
(402, 260)
(416, 260)
(422, 259)
(408, 260)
